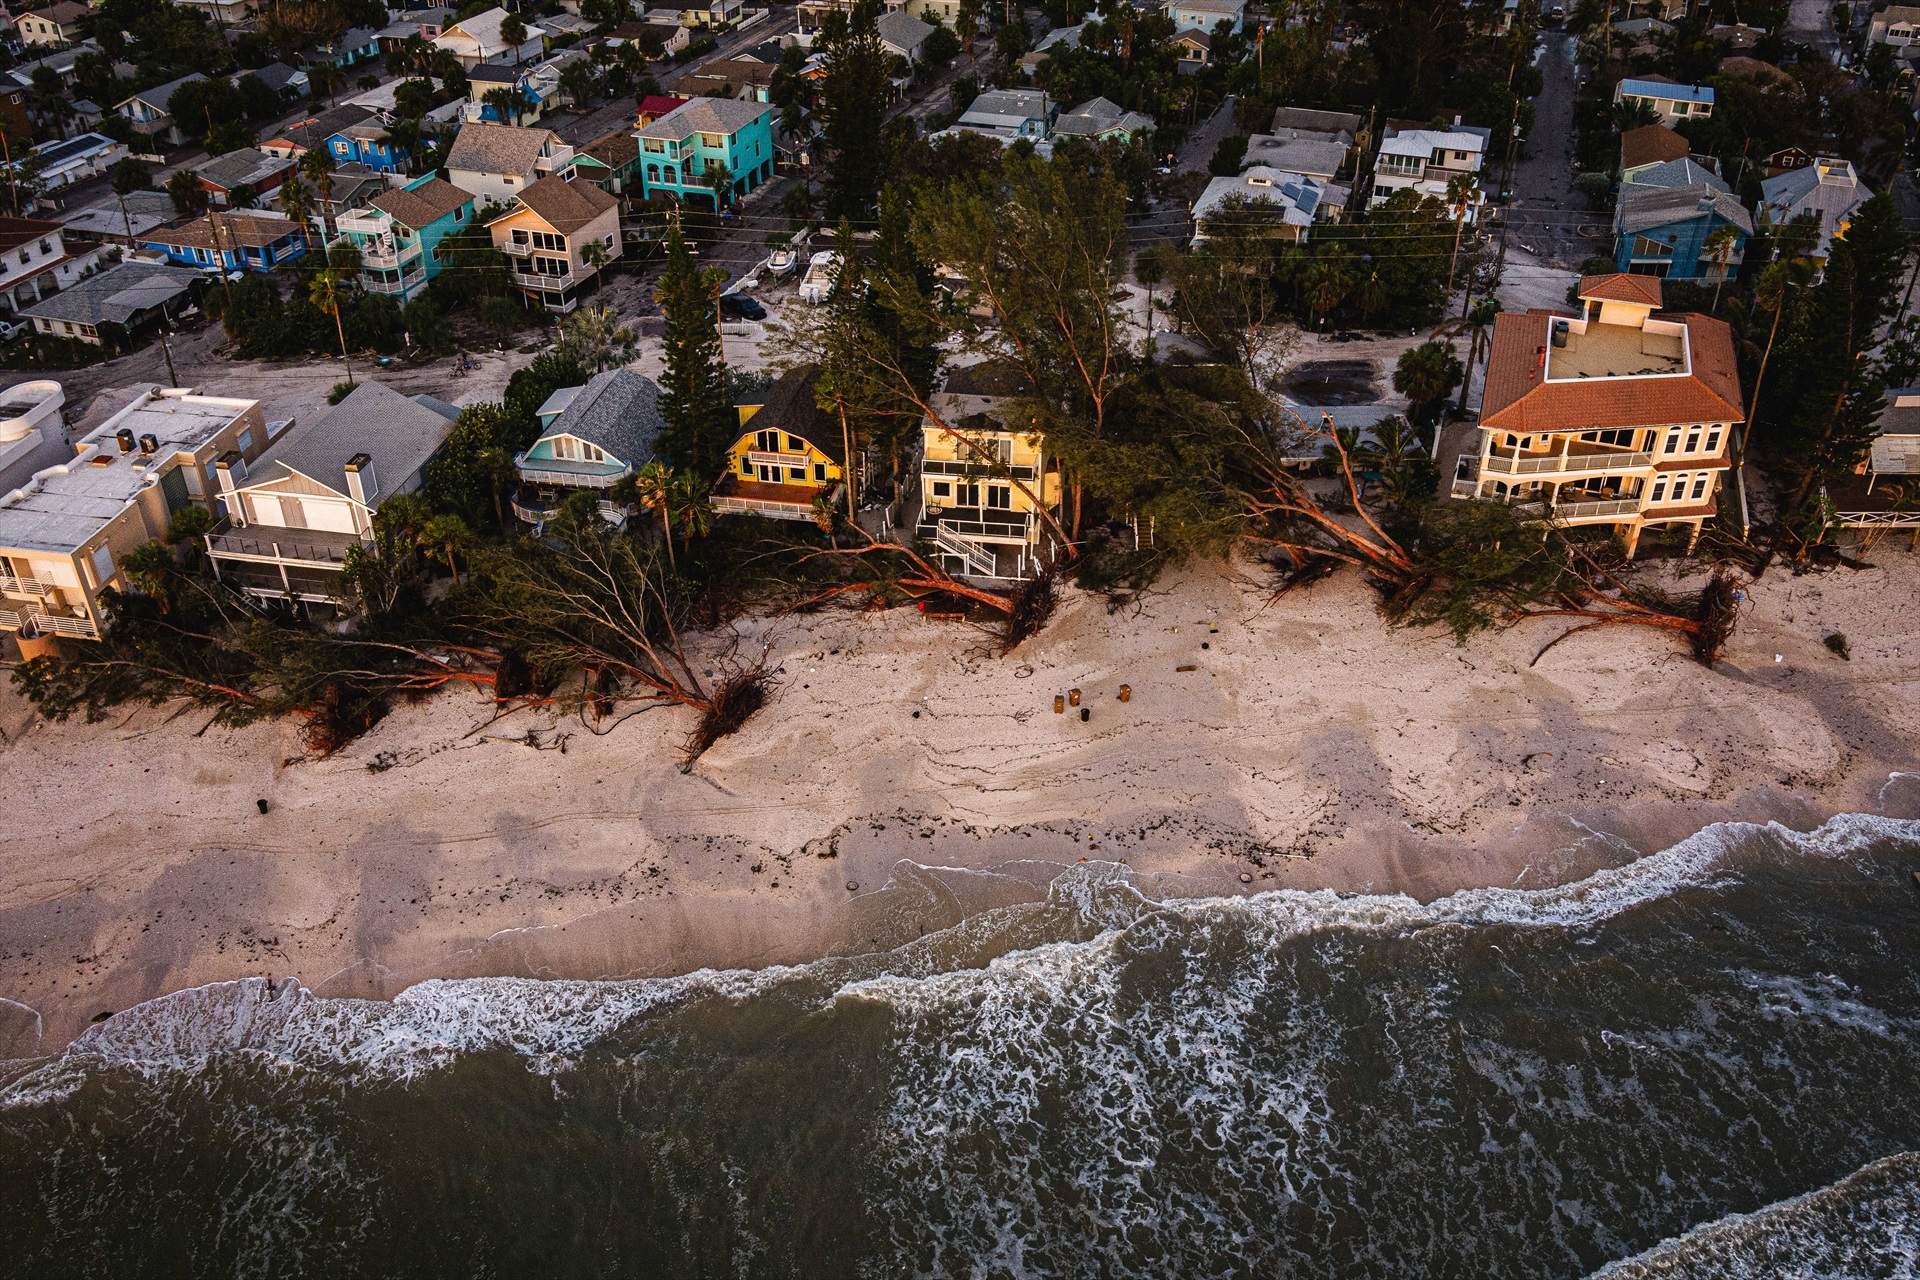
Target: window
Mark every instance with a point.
(746, 467)
(1621, 436)
(45, 247)
(26, 256)
(767, 441)
(1713, 440)
(795, 444)
(796, 473)
(1659, 488)
(820, 472)
(1693, 440)
(245, 442)
(1700, 485)
(999, 497)
(1672, 442)
(1645, 248)
(941, 489)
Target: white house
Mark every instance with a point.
(1292, 202)
(477, 39)
(1427, 161)
(1897, 25)
(497, 162)
(35, 262)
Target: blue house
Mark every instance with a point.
(1665, 214)
(367, 143)
(230, 241)
(398, 234)
(684, 151)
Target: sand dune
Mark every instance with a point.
(1309, 747)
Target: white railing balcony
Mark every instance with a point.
(516, 250)
(32, 588)
(976, 467)
(54, 624)
(1561, 463)
(1583, 512)
(722, 505)
(760, 459)
(576, 475)
(540, 279)
(1466, 486)
(413, 280)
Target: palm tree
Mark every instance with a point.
(444, 538)
(1371, 295)
(316, 166)
(654, 487)
(403, 139)
(514, 32)
(1460, 189)
(296, 202)
(323, 78)
(1149, 268)
(1481, 318)
(1772, 291)
(593, 255)
(1719, 246)
(720, 179)
(324, 292)
(506, 102)
(1328, 281)
(497, 464)
(1425, 374)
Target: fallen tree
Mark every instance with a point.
(1468, 566)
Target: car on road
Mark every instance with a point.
(740, 307)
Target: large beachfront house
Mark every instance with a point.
(788, 454)
(295, 512)
(398, 234)
(558, 235)
(704, 141)
(591, 438)
(1619, 415)
(65, 532)
(981, 494)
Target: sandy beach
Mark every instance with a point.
(1309, 746)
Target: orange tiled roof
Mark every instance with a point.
(1518, 397)
(1618, 286)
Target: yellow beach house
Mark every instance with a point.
(788, 453)
(981, 495)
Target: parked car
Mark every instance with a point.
(741, 307)
(9, 330)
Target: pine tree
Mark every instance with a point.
(853, 107)
(694, 387)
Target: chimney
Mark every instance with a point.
(125, 437)
(149, 444)
(362, 484)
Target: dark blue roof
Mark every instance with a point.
(78, 145)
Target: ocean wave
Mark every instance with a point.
(1864, 1227)
(548, 1022)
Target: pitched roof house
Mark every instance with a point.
(498, 161)
(1827, 189)
(557, 236)
(591, 437)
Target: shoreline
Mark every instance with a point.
(1310, 748)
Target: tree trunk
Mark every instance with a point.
(846, 444)
(666, 527)
(1753, 405)
(342, 331)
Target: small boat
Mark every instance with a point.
(781, 263)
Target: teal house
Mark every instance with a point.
(399, 234)
(682, 151)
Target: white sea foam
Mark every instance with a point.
(548, 1022)
(1864, 1227)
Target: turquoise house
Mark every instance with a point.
(681, 150)
(399, 234)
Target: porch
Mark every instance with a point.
(734, 496)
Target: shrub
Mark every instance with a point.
(341, 390)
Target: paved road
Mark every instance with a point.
(1546, 216)
(1198, 149)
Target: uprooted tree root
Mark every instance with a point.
(1033, 606)
(731, 702)
(1707, 623)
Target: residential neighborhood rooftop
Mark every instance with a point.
(705, 115)
(422, 205)
(399, 433)
(566, 205)
(115, 295)
(618, 410)
(481, 147)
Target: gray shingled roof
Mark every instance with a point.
(161, 95)
(398, 432)
(705, 115)
(902, 30)
(1642, 208)
(248, 166)
(115, 295)
(497, 148)
(618, 410)
(1683, 172)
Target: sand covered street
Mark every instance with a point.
(1308, 747)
